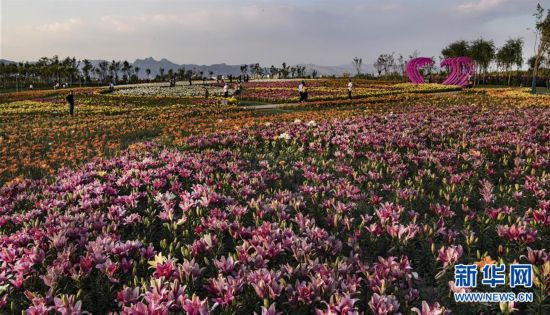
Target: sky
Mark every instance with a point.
(246, 31)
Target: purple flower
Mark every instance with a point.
(449, 255)
(383, 305)
(427, 309)
(196, 306)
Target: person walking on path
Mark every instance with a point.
(301, 91)
(225, 90)
(70, 100)
(350, 88)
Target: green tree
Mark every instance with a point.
(181, 73)
(127, 70)
(273, 71)
(357, 63)
(510, 54)
(257, 70)
(460, 48)
(542, 40)
(86, 68)
(244, 70)
(70, 68)
(103, 68)
(379, 64)
(136, 71)
(314, 73)
(483, 53)
(285, 70)
(115, 67)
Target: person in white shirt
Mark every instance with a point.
(301, 91)
(350, 88)
(225, 90)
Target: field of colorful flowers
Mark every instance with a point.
(334, 207)
(164, 90)
(37, 137)
(323, 90)
(281, 91)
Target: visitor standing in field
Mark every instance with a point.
(238, 89)
(304, 91)
(70, 100)
(350, 88)
(225, 90)
(301, 91)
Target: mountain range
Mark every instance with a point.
(235, 70)
(224, 69)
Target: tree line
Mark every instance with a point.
(49, 71)
(483, 52)
(284, 72)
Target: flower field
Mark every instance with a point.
(323, 90)
(280, 91)
(37, 137)
(163, 90)
(176, 204)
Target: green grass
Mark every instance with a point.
(541, 90)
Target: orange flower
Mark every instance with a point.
(487, 260)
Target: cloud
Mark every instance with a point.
(266, 31)
(128, 24)
(64, 26)
(378, 7)
(481, 5)
(251, 12)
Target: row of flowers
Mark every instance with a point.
(164, 90)
(327, 90)
(329, 217)
(280, 91)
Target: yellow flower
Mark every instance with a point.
(159, 259)
(101, 173)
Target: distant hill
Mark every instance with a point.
(4, 61)
(225, 69)
(222, 68)
(155, 65)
